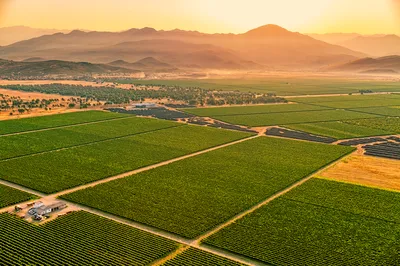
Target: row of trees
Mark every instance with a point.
(188, 95)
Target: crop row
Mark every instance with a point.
(43, 122)
(59, 170)
(362, 103)
(279, 86)
(9, 196)
(339, 129)
(389, 124)
(256, 109)
(197, 257)
(293, 117)
(319, 223)
(346, 98)
(385, 111)
(78, 238)
(194, 195)
(57, 138)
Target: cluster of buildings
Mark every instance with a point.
(38, 209)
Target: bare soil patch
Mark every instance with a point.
(365, 170)
(31, 95)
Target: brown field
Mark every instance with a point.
(31, 95)
(366, 170)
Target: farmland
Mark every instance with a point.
(320, 223)
(340, 129)
(216, 198)
(9, 196)
(78, 238)
(390, 124)
(282, 86)
(193, 257)
(386, 110)
(292, 117)
(59, 120)
(362, 103)
(215, 186)
(345, 98)
(338, 117)
(367, 171)
(57, 138)
(54, 171)
(256, 109)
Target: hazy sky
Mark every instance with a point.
(319, 16)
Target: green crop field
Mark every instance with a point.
(256, 109)
(10, 196)
(57, 138)
(385, 111)
(339, 129)
(43, 122)
(389, 124)
(197, 257)
(320, 223)
(292, 117)
(344, 98)
(361, 103)
(353, 101)
(278, 85)
(78, 238)
(194, 195)
(54, 171)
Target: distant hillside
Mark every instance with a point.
(148, 64)
(387, 64)
(334, 38)
(268, 46)
(12, 35)
(55, 67)
(375, 45)
(34, 59)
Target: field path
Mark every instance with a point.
(196, 243)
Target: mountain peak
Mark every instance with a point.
(268, 30)
(148, 30)
(77, 32)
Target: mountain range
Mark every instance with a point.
(267, 47)
(377, 45)
(10, 35)
(381, 65)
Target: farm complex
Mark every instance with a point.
(300, 180)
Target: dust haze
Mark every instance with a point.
(3, 9)
(396, 9)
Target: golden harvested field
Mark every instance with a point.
(365, 170)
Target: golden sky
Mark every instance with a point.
(308, 16)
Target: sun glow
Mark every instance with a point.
(319, 16)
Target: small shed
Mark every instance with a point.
(144, 105)
(51, 208)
